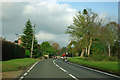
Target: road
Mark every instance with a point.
(58, 69)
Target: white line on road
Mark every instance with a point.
(96, 70)
(25, 74)
(59, 67)
(65, 71)
(73, 76)
(21, 78)
(28, 71)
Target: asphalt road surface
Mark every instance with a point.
(58, 69)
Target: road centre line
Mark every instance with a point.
(96, 70)
(60, 67)
(65, 71)
(57, 65)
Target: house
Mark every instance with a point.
(19, 41)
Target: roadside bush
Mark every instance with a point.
(113, 59)
(95, 58)
(98, 48)
(101, 58)
(88, 59)
(27, 53)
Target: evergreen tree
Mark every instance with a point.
(28, 34)
(35, 49)
(26, 38)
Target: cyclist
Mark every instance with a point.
(66, 57)
(63, 56)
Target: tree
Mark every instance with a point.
(109, 35)
(73, 50)
(56, 46)
(35, 49)
(84, 29)
(115, 48)
(46, 48)
(26, 38)
(63, 50)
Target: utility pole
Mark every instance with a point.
(32, 41)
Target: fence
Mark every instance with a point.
(11, 51)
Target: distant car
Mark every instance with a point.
(61, 57)
(46, 56)
(55, 57)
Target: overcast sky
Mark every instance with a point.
(51, 18)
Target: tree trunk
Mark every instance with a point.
(86, 51)
(89, 46)
(83, 50)
(109, 49)
(76, 54)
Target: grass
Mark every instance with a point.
(108, 66)
(17, 64)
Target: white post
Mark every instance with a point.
(72, 46)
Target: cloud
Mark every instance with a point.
(59, 38)
(51, 19)
(106, 19)
(12, 18)
(50, 15)
(45, 36)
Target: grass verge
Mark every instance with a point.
(107, 66)
(17, 64)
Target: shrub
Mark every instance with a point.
(101, 58)
(98, 48)
(113, 59)
(27, 53)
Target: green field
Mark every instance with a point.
(108, 66)
(17, 64)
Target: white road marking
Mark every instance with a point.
(31, 67)
(25, 74)
(96, 70)
(28, 71)
(57, 65)
(73, 76)
(34, 65)
(21, 78)
(65, 71)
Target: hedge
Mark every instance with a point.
(98, 48)
(11, 51)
